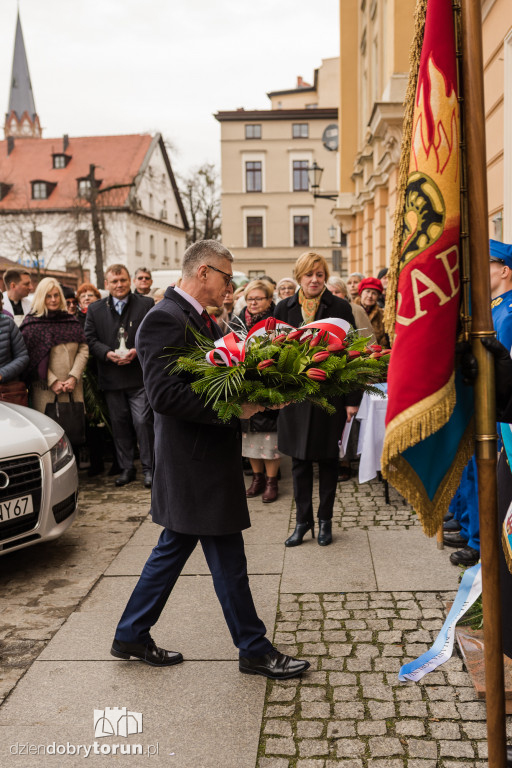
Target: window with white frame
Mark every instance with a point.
(300, 176)
(301, 230)
(254, 225)
(253, 131)
(253, 178)
(300, 130)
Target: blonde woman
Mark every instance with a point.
(305, 432)
(56, 346)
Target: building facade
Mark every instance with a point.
(375, 37)
(497, 54)
(269, 214)
(49, 187)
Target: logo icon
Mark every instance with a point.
(116, 721)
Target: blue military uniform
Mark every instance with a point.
(464, 505)
(502, 318)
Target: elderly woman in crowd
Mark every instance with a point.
(86, 294)
(226, 314)
(369, 291)
(157, 294)
(339, 288)
(56, 346)
(305, 432)
(286, 287)
(13, 352)
(259, 433)
(353, 281)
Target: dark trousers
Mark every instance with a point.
(131, 419)
(302, 473)
(226, 560)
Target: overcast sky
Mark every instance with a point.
(128, 66)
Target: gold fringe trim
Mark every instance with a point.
(430, 512)
(405, 161)
(506, 548)
(419, 421)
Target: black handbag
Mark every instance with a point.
(70, 416)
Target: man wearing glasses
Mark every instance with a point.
(142, 281)
(198, 491)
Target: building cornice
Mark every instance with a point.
(242, 115)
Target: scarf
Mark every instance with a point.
(251, 320)
(309, 306)
(40, 334)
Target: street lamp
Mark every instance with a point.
(315, 174)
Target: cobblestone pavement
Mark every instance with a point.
(41, 586)
(350, 711)
(364, 506)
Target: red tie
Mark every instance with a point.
(206, 317)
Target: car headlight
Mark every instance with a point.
(62, 453)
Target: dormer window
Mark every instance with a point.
(4, 189)
(84, 187)
(41, 190)
(60, 160)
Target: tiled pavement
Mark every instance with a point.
(357, 610)
(351, 711)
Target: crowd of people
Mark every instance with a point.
(64, 344)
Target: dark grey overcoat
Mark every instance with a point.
(305, 431)
(198, 486)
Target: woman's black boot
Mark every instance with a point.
(300, 531)
(324, 532)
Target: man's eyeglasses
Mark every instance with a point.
(143, 277)
(227, 278)
(498, 261)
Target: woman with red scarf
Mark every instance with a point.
(259, 433)
(86, 294)
(56, 346)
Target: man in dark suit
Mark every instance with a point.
(198, 490)
(120, 372)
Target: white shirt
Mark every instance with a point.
(26, 305)
(193, 302)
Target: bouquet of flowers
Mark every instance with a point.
(277, 364)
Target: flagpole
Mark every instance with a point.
(485, 416)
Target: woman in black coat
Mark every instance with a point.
(305, 432)
(259, 433)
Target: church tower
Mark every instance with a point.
(21, 120)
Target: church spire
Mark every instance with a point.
(21, 121)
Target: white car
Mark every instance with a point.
(38, 478)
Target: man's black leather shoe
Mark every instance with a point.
(274, 665)
(454, 539)
(147, 479)
(451, 526)
(126, 476)
(150, 653)
(466, 556)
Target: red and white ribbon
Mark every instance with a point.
(231, 350)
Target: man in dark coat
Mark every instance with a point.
(198, 491)
(120, 374)
(306, 432)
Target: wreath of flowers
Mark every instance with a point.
(278, 364)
